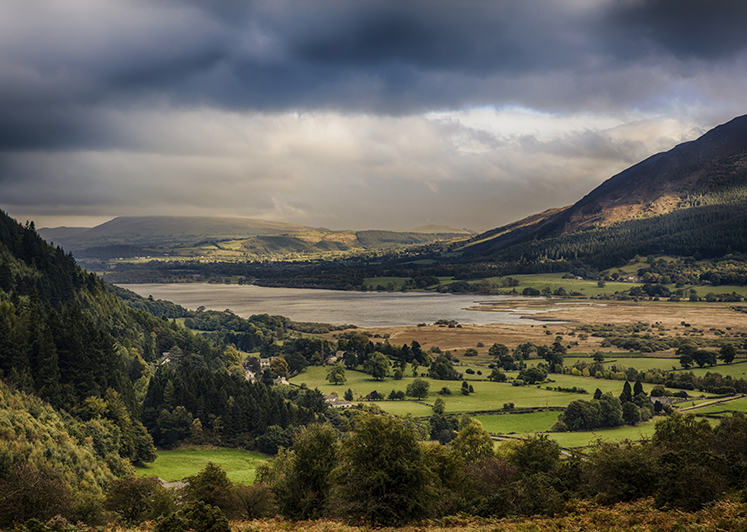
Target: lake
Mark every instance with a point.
(364, 309)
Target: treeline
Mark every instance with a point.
(382, 475)
(193, 404)
(381, 472)
(606, 410)
(157, 307)
(649, 338)
(728, 270)
(28, 264)
(712, 382)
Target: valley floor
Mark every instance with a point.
(563, 316)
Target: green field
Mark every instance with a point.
(738, 370)
(487, 396)
(553, 281)
(524, 425)
(584, 439)
(518, 423)
(175, 465)
(739, 405)
(641, 363)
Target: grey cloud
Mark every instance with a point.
(683, 28)
(108, 103)
(383, 56)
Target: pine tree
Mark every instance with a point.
(627, 395)
(46, 368)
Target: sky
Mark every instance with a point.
(350, 114)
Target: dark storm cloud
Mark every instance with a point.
(686, 29)
(449, 36)
(382, 56)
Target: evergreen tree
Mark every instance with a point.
(627, 394)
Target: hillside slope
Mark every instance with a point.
(226, 239)
(707, 176)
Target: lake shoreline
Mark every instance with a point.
(336, 307)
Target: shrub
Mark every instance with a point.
(33, 492)
(196, 516)
(256, 501)
(213, 487)
(136, 499)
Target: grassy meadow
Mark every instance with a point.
(737, 405)
(239, 465)
(571, 440)
(518, 423)
(487, 396)
(553, 281)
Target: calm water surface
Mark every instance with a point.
(364, 309)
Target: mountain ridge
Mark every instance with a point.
(659, 185)
(154, 230)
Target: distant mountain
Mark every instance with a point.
(223, 238)
(689, 200)
(439, 229)
(163, 230)
(58, 234)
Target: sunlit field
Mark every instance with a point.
(174, 465)
(487, 396)
(737, 405)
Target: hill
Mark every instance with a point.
(162, 230)
(687, 201)
(60, 234)
(227, 239)
(442, 229)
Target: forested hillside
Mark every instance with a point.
(81, 369)
(687, 201)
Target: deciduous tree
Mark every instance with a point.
(418, 388)
(377, 365)
(383, 478)
(336, 375)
